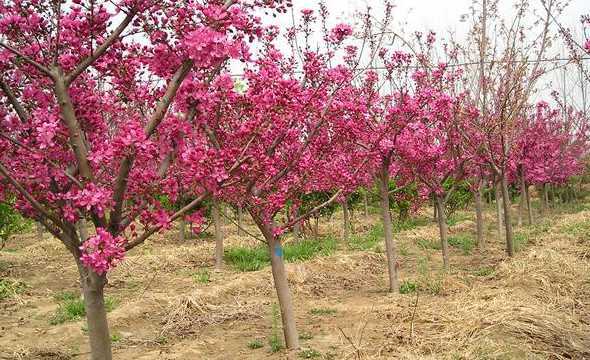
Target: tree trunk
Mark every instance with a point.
(239, 221)
(479, 216)
(346, 224)
(218, 235)
(182, 229)
(92, 286)
(507, 216)
(442, 227)
(528, 205)
(366, 204)
(40, 231)
(279, 276)
(499, 215)
(545, 199)
(316, 227)
(524, 193)
(435, 211)
(388, 230)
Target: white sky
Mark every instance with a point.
(444, 16)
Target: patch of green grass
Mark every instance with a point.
(484, 271)
(10, 288)
(577, 229)
(309, 354)
(116, 338)
(429, 244)
(275, 341)
(403, 249)
(202, 276)
(256, 258)
(255, 344)
(407, 287)
(9, 250)
(462, 241)
(410, 223)
(368, 241)
(71, 307)
(307, 249)
(457, 218)
(322, 311)
(520, 240)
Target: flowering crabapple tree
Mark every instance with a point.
(90, 117)
(280, 140)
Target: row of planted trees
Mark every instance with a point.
(106, 106)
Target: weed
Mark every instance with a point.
(429, 244)
(463, 241)
(309, 354)
(577, 229)
(255, 344)
(248, 259)
(367, 241)
(202, 276)
(274, 341)
(484, 271)
(322, 311)
(520, 240)
(307, 249)
(71, 307)
(10, 288)
(407, 287)
(116, 338)
(403, 249)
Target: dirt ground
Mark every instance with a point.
(533, 306)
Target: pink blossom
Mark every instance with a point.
(340, 32)
(102, 252)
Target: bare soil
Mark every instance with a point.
(533, 306)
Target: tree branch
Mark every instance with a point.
(101, 49)
(28, 60)
(13, 100)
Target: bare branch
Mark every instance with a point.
(13, 100)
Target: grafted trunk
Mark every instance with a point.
(499, 207)
(390, 250)
(279, 276)
(218, 235)
(442, 228)
(346, 224)
(478, 194)
(507, 216)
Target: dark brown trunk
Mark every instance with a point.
(507, 216)
(479, 216)
(281, 283)
(388, 229)
(525, 199)
(442, 227)
(528, 205)
(434, 211)
(218, 235)
(366, 204)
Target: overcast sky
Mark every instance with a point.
(444, 16)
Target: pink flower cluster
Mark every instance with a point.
(340, 32)
(102, 252)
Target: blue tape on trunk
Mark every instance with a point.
(278, 250)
